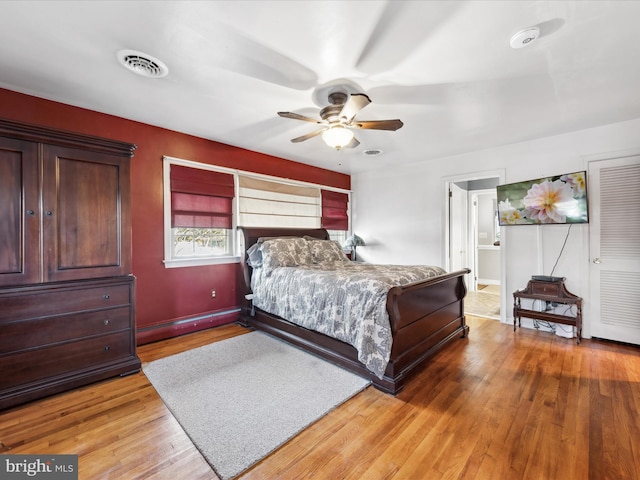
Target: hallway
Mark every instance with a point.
(485, 302)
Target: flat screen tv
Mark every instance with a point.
(549, 200)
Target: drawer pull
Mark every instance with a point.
(49, 213)
(105, 296)
(107, 321)
(31, 212)
(107, 348)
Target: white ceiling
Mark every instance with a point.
(444, 68)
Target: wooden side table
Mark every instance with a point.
(548, 292)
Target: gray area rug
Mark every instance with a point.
(242, 398)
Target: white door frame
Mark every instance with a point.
(500, 174)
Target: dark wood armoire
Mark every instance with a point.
(67, 303)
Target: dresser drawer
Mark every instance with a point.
(42, 302)
(545, 288)
(72, 357)
(17, 336)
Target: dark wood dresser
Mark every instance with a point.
(67, 295)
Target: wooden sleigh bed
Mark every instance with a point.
(424, 316)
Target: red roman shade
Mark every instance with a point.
(334, 210)
(201, 198)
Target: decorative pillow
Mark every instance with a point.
(254, 253)
(326, 251)
(264, 239)
(254, 256)
(285, 252)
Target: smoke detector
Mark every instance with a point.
(142, 64)
(525, 37)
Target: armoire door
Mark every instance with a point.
(85, 201)
(19, 212)
(614, 243)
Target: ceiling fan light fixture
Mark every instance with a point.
(337, 136)
(338, 119)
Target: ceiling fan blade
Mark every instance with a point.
(400, 30)
(241, 55)
(355, 103)
(307, 136)
(378, 124)
(353, 143)
(297, 116)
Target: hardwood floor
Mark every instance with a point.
(498, 405)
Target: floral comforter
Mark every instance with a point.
(344, 300)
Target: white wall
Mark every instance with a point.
(489, 269)
(400, 213)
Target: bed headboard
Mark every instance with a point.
(252, 234)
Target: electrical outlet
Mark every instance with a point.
(213, 294)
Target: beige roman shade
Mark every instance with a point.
(263, 203)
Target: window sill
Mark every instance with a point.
(198, 262)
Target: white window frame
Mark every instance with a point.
(169, 261)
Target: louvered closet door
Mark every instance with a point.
(614, 190)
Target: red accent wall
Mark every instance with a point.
(168, 301)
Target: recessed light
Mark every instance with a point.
(142, 64)
(525, 37)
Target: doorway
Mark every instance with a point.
(473, 240)
(485, 235)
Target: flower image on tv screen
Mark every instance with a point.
(560, 199)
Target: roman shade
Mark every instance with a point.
(263, 203)
(334, 210)
(201, 198)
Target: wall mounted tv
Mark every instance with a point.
(549, 200)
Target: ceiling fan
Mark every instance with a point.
(338, 119)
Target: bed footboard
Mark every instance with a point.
(424, 317)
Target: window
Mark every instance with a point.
(201, 213)
(339, 236)
(200, 242)
(203, 205)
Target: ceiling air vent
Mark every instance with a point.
(142, 64)
(373, 152)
